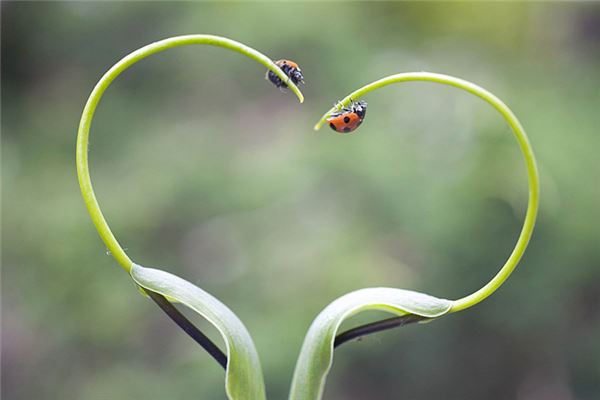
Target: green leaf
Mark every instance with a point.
(316, 355)
(243, 380)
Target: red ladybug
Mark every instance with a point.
(289, 68)
(348, 118)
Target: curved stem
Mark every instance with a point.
(524, 145)
(90, 107)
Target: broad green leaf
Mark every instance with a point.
(243, 379)
(316, 356)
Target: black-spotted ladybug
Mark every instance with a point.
(348, 118)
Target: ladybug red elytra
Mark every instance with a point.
(289, 68)
(348, 118)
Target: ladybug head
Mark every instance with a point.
(292, 70)
(359, 107)
(296, 76)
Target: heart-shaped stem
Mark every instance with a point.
(83, 141)
(90, 107)
(524, 145)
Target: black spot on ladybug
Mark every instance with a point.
(332, 126)
(346, 119)
(347, 129)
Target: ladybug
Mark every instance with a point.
(348, 118)
(289, 68)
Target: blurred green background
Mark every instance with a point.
(206, 170)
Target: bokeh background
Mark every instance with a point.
(206, 170)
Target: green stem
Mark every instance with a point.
(90, 107)
(523, 141)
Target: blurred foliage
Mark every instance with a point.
(206, 170)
